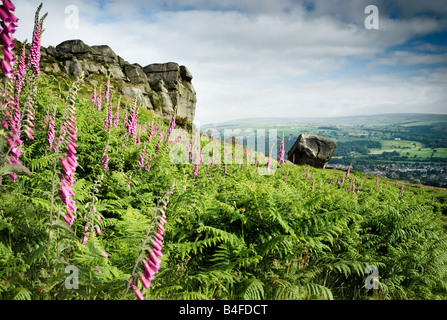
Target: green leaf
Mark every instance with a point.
(14, 168)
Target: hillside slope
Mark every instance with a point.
(234, 230)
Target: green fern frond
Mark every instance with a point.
(222, 235)
(21, 294)
(253, 289)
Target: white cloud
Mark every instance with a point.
(405, 58)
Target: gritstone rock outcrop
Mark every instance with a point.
(163, 87)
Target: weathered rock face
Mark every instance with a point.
(173, 83)
(312, 149)
(164, 88)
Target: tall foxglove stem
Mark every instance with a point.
(91, 227)
(70, 162)
(172, 126)
(132, 124)
(117, 115)
(281, 150)
(152, 262)
(107, 93)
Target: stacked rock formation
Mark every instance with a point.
(164, 88)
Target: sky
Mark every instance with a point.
(272, 58)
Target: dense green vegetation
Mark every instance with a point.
(232, 230)
(358, 146)
(233, 235)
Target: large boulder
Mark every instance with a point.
(312, 149)
(233, 141)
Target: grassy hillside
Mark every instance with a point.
(232, 231)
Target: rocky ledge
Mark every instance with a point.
(163, 87)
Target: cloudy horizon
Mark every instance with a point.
(282, 58)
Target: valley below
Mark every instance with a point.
(404, 147)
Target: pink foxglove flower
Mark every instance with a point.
(156, 245)
(105, 160)
(69, 164)
(20, 75)
(106, 121)
(287, 174)
(269, 163)
(171, 127)
(51, 124)
(117, 115)
(8, 24)
(35, 48)
(98, 100)
(132, 124)
(145, 282)
(152, 264)
(148, 270)
(107, 93)
(140, 165)
(151, 131)
(281, 151)
(196, 170)
(138, 293)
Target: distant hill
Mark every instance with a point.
(404, 119)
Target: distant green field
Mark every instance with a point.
(400, 146)
(420, 135)
(411, 149)
(426, 153)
